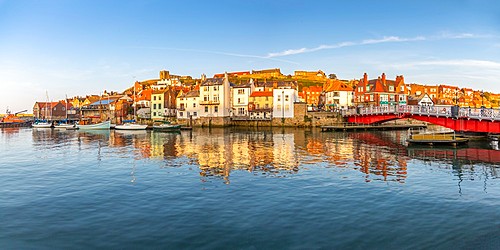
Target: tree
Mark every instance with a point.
(332, 76)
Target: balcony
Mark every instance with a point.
(209, 102)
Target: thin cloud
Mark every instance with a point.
(385, 39)
(455, 63)
(218, 53)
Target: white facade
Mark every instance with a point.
(339, 99)
(283, 100)
(215, 98)
(188, 105)
(240, 99)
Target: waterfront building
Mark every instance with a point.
(158, 104)
(43, 110)
(283, 102)
(240, 95)
(381, 92)
(338, 94)
(215, 94)
(260, 106)
(448, 95)
(310, 95)
(188, 104)
(419, 89)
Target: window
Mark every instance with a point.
(205, 88)
(181, 114)
(154, 113)
(278, 107)
(267, 106)
(241, 91)
(154, 106)
(195, 113)
(216, 109)
(371, 98)
(367, 88)
(216, 98)
(159, 98)
(194, 105)
(154, 98)
(287, 107)
(402, 88)
(182, 105)
(241, 111)
(286, 98)
(239, 100)
(159, 106)
(205, 98)
(279, 98)
(391, 88)
(206, 109)
(216, 88)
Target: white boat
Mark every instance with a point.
(101, 125)
(42, 125)
(131, 126)
(64, 125)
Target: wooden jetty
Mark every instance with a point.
(354, 127)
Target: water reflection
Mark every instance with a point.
(379, 156)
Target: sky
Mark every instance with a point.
(56, 48)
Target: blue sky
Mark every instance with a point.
(85, 47)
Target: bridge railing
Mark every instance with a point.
(443, 111)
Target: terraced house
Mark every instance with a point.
(381, 92)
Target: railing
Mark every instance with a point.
(439, 111)
(209, 102)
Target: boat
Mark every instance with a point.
(42, 124)
(437, 139)
(167, 127)
(131, 124)
(101, 125)
(64, 124)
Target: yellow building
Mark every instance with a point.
(260, 105)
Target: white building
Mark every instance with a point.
(240, 98)
(188, 105)
(215, 97)
(283, 100)
(339, 95)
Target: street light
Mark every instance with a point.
(482, 99)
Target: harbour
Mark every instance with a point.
(262, 188)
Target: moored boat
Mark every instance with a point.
(101, 125)
(131, 126)
(167, 126)
(42, 124)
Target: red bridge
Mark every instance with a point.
(483, 120)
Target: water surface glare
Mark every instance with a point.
(244, 189)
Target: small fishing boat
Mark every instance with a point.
(63, 125)
(42, 124)
(167, 127)
(101, 125)
(130, 125)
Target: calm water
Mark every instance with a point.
(239, 189)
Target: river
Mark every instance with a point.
(244, 189)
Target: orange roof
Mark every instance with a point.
(261, 93)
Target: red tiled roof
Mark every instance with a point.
(261, 93)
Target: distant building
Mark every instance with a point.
(266, 73)
(283, 102)
(338, 94)
(188, 104)
(381, 92)
(310, 75)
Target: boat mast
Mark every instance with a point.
(66, 108)
(135, 106)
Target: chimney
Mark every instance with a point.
(365, 78)
(383, 78)
(203, 77)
